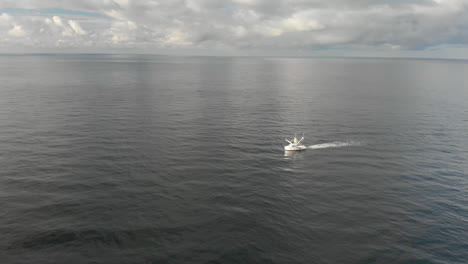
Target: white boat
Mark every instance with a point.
(295, 144)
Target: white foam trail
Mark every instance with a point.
(335, 144)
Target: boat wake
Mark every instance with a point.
(335, 144)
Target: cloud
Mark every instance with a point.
(122, 31)
(235, 24)
(58, 21)
(76, 27)
(299, 22)
(17, 31)
(5, 18)
(177, 37)
(65, 29)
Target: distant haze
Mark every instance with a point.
(412, 28)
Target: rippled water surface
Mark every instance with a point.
(152, 159)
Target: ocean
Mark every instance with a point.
(166, 159)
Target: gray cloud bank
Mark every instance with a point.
(234, 25)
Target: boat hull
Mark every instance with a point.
(295, 148)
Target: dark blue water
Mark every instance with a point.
(151, 159)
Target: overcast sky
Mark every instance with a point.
(419, 28)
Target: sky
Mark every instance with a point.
(382, 28)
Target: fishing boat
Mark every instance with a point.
(295, 144)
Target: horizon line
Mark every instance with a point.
(227, 56)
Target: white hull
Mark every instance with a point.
(295, 148)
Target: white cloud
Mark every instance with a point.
(76, 27)
(117, 14)
(17, 31)
(5, 18)
(269, 31)
(58, 21)
(65, 29)
(301, 23)
(122, 31)
(177, 37)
